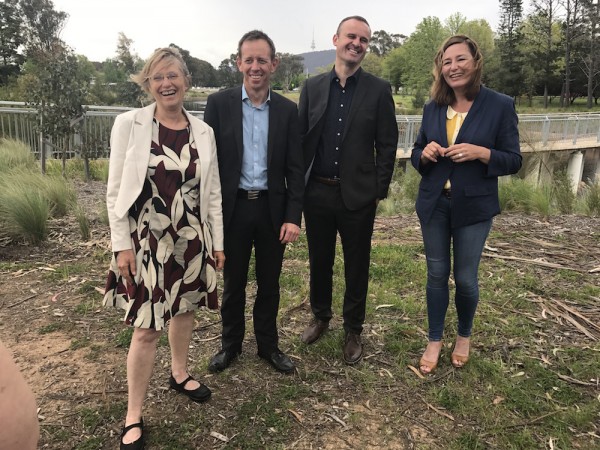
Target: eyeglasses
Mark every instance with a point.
(159, 78)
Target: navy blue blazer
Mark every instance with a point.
(491, 123)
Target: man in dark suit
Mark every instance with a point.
(349, 138)
(262, 185)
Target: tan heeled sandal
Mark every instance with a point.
(459, 361)
(432, 365)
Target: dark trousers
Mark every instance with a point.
(325, 216)
(251, 226)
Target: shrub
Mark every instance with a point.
(515, 194)
(541, 200)
(104, 214)
(83, 222)
(15, 154)
(410, 180)
(562, 192)
(591, 199)
(74, 168)
(55, 189)
(59, 193)
(99, 170)
(24, 213)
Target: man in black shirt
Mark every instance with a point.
(349, 138)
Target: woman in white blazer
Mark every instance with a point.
(164, 207)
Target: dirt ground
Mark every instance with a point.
(64, 342)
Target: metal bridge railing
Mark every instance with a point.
(542, 132)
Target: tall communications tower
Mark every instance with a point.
(312, 45)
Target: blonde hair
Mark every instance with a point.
(166, 54)
(443, 94)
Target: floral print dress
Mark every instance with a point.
(174, 271)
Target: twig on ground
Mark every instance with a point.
(22, 301)
(521, 424)
(437, 410)
(532, 261)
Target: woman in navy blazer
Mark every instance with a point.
(164, 206)
(468, 138)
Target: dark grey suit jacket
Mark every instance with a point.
(285, 176)
(370, 138)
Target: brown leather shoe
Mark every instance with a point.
(353, 348)
(314, 330)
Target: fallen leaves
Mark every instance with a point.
(337, 419)
(498, 400)
(296, 415)
(416, 371)
(219, 436)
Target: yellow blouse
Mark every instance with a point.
(454, 121)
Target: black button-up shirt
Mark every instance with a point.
(327, 158)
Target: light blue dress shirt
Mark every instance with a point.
(255, 122)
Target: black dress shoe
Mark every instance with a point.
(314, 330)
(200, 394)
(279, 360)
(222, 360)
(137, 444)
(353, 348)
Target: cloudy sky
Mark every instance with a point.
(210, 29)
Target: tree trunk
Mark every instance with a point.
(86, 167)
(64, 158)
(592, 65)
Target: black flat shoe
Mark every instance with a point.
(137, 444)
(279, 360)
(200, 394)
(222, 360)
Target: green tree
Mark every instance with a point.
(11, 39)
(228, 73)
(419, 52)
(289, 68)
(481, 32)
(541, 46)
(57, 88)
(202, 72)
(127, 63)
(382, 42)
(508, 73)
(373, 64)
(590, 57)
(42, 24)
(572, 30)
(454, 23)
(394, 65)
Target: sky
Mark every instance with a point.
(210, 29)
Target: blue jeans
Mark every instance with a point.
(467, 246)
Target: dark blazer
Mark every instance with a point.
(370, 138)
(285, 176)
(492, 123)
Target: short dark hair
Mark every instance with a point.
(256, 35)
(443, 94)
(346, 19)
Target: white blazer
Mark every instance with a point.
(130, 142)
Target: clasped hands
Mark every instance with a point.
(458, 153)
